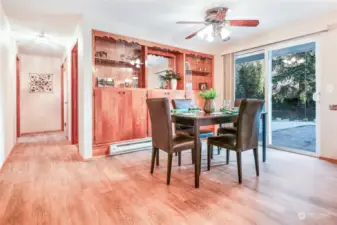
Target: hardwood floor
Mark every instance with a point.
(47, 183)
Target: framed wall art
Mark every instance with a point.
(41, 83)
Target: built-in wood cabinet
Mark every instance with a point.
(139, 113)
(113, 115)
(121, 85)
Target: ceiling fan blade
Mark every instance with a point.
(195, 33)
(190, 22)
(243, 23)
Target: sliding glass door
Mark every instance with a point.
(293, 87)
(249, 76)
(285, 77)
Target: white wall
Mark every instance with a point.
(8, 53)
(39, 112)
(82, 36)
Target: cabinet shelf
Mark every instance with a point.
(110, 62)
(198, 72)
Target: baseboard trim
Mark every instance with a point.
(40, 132)
(328, 159)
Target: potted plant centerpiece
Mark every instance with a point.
(171, 76)
(209, 96)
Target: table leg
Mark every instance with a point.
(264, 137)
(197, 152)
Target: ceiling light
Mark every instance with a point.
(42, 39)
(132, 62)
(208, 30)
(137, 61)
(224, 33)
(210, 38)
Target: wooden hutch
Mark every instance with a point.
(121, 85)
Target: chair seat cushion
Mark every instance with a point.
(227, 130)
(227, 141)
(182, 142)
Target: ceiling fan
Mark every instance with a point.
(216, 24)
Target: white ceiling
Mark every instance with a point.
(153, 19)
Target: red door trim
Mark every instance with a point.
(17, 97)
(74, 94)
(62, 97)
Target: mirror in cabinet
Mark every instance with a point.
(156, 67)
(117, 63)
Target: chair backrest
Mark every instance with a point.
(161, 125)
(248, 124)
(182, 103)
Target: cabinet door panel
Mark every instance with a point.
(125, 128)
(106, 115)
(139, 113)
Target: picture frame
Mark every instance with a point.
(203, 86)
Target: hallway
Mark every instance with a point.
(48, 183)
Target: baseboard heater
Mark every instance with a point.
(130, 146)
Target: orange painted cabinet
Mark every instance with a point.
(139, 113)
(113, 115)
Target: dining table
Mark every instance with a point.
(198, 119)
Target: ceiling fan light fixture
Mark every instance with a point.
(224, 33)
(210, 38)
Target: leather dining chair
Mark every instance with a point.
(230, 130)
(185, 129)
(162, 135)
(245, 138)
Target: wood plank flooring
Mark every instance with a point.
(47, 183)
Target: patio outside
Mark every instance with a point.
(293, 85)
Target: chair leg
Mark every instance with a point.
(238, 158)
(212, 152)
(256, 156)
(179, 158)
(176, 153)
(209, 149)
(227, 156)
(169, 168)
(154, 153)
(193, 155)
(219, 150)
(157, 154)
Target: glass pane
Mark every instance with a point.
(249, 77)
(293, 108)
